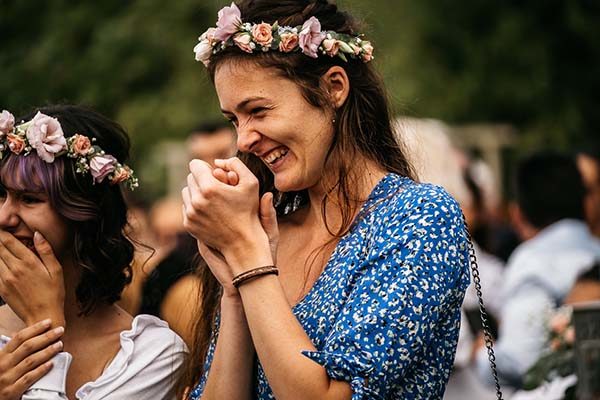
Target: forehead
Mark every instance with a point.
(241, 80)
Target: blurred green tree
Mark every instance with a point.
(528, 63)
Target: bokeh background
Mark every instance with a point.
(530, 67)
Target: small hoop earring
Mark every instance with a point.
(333, 120)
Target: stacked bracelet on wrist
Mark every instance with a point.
(238, 280)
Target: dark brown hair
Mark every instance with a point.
(363, 130)
(95, 213)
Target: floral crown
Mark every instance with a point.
(307, 38)
(45, 135)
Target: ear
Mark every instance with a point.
(335, 81)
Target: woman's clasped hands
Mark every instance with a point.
(236, 231)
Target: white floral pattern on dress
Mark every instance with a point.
(385, 313)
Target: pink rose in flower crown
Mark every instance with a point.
(120, 175)
(7, 122)
(368, 51)
(81, 145)
(288, 42)
(16, 143)
(263, 34)
(331, 46)
(101, 166)
(243, 40)
(229, 21)
(46, 136)
(310, 37)
(204, 48)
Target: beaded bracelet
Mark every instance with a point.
(238, 280)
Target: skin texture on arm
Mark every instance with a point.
(178, 306)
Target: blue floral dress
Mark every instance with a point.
(385, 313)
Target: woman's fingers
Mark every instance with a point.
(25, 381)
(44, 250)
(38, 347)
(8, 248)
(26, 334)
(236, 165)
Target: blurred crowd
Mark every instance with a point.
(536, 251)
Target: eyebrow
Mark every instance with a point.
(244, 103)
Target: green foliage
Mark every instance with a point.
(531, 64)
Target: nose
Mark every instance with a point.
(247, 138)
(9, 217)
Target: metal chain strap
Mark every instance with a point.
(489, 344)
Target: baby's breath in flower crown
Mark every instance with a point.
(44, 135)
(307, 38)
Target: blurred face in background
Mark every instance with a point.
(207, 146)
(589, 167)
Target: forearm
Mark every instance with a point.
(230, 375)
(279, 340)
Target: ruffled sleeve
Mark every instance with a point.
(402, 314)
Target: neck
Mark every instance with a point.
(370, 174)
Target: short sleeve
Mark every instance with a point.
(399, 326)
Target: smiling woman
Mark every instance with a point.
(331, 273)
(64, 261)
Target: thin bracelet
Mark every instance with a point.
(254, 273)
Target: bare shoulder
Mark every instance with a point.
(9, 322)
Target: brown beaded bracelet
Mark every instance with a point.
(238, 280)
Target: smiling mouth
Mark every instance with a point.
(275, 155)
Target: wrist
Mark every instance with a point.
(56, 320)
(245, 255)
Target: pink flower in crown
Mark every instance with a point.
(368, 51)
(288, 41)
(7, 122)
(81, 145)
(204, 48)
(311, 37)
(101, 166)
(229, 22)
(243, 40)
(46, 136)
(331, 46)
(16, 143)
(263, 34)
(120, 175)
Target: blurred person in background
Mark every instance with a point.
(588, 163)
(212, 140)
(438, 161)
(557, 248)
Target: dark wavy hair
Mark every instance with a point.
(362, 130)
(96, 214)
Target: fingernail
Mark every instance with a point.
(38, 238)
(46, 322)
(58, 345)
(59, 330)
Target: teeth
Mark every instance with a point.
(275, 155)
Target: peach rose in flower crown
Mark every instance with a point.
(81, 144)
(120, 175)
(16, 143)
(368, 51)
(46, 136)
(288, 42)
(204, 48)
(263, 34)
(243, 40)
(331, 46)
(101, 166)
(7, 122)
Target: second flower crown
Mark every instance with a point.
(307, 38)
(44, 135)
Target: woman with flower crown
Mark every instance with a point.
(64, 260)
(331, 273)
